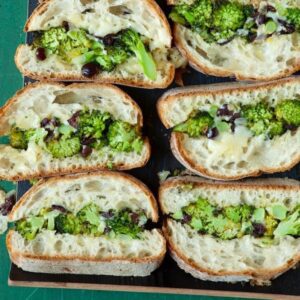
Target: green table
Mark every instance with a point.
(12, 19)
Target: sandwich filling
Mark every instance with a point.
(222, 21)
(259, 119)
(234, 222)
(89, 221)
(86, 131)
(75, 46)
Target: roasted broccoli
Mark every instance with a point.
(201, 209)
(289, 112)
(111, 57)
(125, 222)
(64, 147)
(196, 126)
(67, 223)
(89, 218)
(30, 227)
(19, 138)
(275, 128)
(92, 124)
(258, 117)
(131, 40)
(293, 16)
(67, 45)
(198, 14)
(270, 224)
(227, 18)
(124, 137)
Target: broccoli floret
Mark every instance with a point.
(289, 111)
(67, 223)
(201, 209)
(134, 43)
(19, 138)
(30, 227)
(227, 18)
(92, 124)
(124, 137)
(223, 228)
(67, 45)
(123, 223)
(293, 16)
(199, 14)
(275, 128)
(111, 57)
(233, 213)
(196, 126)
(270, 224)
(289, 226)
(63, 148)
(258, 117)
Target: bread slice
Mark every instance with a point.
(81, 254)
(104, 17)
(39, 100)
(243, 259)
(231, 156)
(275, 57)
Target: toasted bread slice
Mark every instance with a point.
(41, 100)
(52, 252)
(103, 18)
(236, 155)
(275, 57)
(240, 259)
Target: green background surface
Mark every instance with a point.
(12, 18)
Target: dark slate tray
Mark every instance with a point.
(168, 278)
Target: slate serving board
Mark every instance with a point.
(168, 278)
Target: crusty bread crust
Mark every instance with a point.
(103, 77)
(43, 183)
(259, 276)
(113, 266)
(5, 112)
(217, 90)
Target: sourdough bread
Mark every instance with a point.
(37, 101)
(243, 259)
(231, 155)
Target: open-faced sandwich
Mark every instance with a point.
(242, 231)
(249, 39)
(87, 224)
(56, 129)
(231, 131)
(126, 42)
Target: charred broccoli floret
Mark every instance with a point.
(134, 43)
(67, 223)
(63, 148)
(197, 125)
(19, 138)
(227, 18)
(198, 14)
(289, 111)
(124, 137)
(293, 16)
(92, 124)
